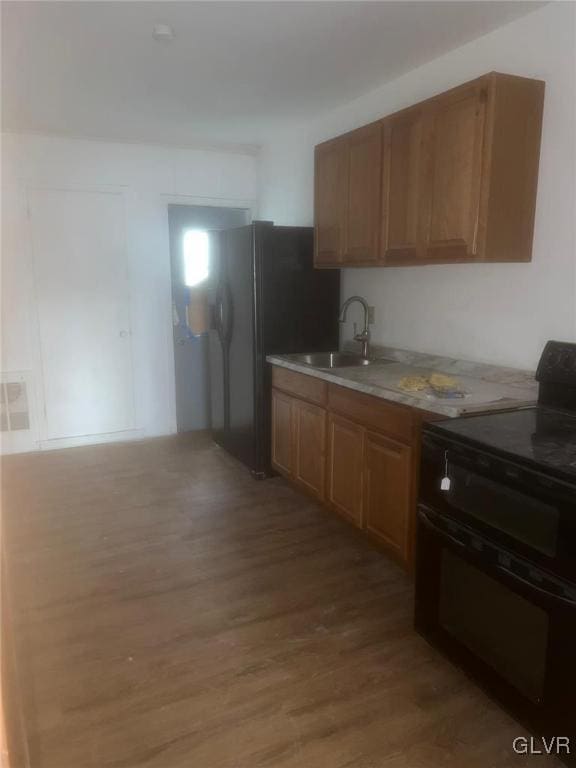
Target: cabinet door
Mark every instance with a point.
(310, 443)
(403, 204)
(282, 433)
(345, 467)
(388, 492)
(455, 174)
(330, 187)
(363, 201)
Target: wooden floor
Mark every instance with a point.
(173, 613)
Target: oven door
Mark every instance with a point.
(507, 623)
(518, 508)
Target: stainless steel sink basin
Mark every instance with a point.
(333, 359)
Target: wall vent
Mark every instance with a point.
(14, 408)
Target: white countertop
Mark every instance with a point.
(487, 387)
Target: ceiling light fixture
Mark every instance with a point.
(163, 33)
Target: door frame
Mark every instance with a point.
(166, 199)
(42, 439)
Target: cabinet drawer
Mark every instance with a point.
(394, 420)
(298, 384)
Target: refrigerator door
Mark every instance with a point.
(232, 350)
(239, 318)
(218, 352)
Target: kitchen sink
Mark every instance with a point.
(334, 359)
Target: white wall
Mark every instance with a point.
(495, 313)
(287, 177)
(150, 178)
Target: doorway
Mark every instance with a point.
(192, 242)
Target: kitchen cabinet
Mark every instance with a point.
(454, 178)
(403, 209)
(388, 483)
(348, 198)
(310, 446)
(354, 452)
(299, 429)
(282, 433)
(330, 193)
(362, 230)
(458, 122)
(345, 467)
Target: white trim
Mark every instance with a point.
(211, 202)
(127, 435)
(224, 147)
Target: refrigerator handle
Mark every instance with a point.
(221, 318)
(227, 318)
(216, 312)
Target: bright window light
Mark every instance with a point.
(196, 257)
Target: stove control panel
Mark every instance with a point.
(558, 364)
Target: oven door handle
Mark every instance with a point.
(550, 595)
(425, 517)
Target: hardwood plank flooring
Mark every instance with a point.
(170, 612)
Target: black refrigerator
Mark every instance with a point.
(267, 298)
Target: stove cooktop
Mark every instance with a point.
(543, 437)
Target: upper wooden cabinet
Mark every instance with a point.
(403, 188)
(457, 180)
(347, 198)
(453, 191)
(362, 230)
(330, 190)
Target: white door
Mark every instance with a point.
(81, 275)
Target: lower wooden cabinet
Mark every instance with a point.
(282, 432)
(354, 452)
(310, 446)
(388, 492)
(345, 467)
(299, 441)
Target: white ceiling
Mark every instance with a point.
(234, 70)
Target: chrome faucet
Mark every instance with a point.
(364, 336)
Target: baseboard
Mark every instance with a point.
(109, 437)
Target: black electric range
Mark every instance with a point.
(540, 438)
(543, 437)
(496, 549)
